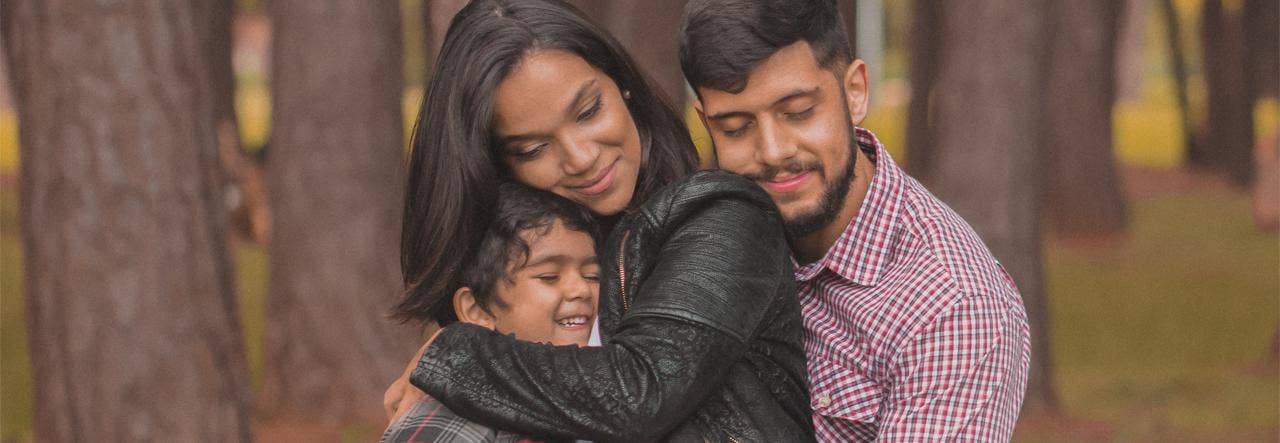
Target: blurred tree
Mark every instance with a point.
(335, 180)
(1228, 143)
(130, 302)
(243, 187)
(649, 31)
(1178, 67)
(213, 31)
(1083, 195)
(989, 104)
(925, 30)
(438, 15)
(1131, 52)
(1262, 35)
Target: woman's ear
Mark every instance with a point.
(469, 310)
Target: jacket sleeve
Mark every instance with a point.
(654, 370)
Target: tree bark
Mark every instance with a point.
(1130, 50)
(649, 32)
(989, 142)
(129, 285)
(1228, 147)
(1178, 67)
(1084, 197)
(240, 180)
(926, 22)
(335, 182)
(438, 15)
(1262, 35)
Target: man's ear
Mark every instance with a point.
(857, 92)
(469, 310)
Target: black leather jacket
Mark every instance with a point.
(701, 329)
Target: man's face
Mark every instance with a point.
(790, 129)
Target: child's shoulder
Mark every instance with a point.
(430, 421)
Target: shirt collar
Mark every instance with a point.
(861, 251)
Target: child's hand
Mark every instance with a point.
(402, 394)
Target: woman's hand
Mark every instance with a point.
(402, 394)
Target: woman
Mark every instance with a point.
(700, 322)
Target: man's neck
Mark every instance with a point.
(812, 247)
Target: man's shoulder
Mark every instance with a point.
(940, 240)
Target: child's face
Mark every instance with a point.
(552, 298)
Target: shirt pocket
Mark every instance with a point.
(842, 392)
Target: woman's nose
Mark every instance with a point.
(580, 155)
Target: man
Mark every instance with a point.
(913, 330)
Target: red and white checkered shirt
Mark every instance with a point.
(912, 329)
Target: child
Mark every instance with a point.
(535, 276)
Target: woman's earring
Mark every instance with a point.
(626, 95)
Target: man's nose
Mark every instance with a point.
(775, 145)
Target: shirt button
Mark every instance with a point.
(824, 400)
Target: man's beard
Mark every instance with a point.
(831, 202)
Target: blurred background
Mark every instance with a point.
(199, 202)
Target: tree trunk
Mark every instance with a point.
(926, 26)
(649, 31)
(438, 15)
(129, 284)
(335, 182)
(1178, 66)
(1083, 192)
(1228, 147)
(1130, 50)
(988, 146)
(240, 185)
(1262, 35)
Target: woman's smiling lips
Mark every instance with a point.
(600, 183)
(787, 184)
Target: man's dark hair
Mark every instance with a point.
(520, 210)
(722, 41)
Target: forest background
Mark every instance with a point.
(199, 202)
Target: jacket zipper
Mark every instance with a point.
(622, 272)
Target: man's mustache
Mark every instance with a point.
(792, 167)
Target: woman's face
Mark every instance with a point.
(561, 125)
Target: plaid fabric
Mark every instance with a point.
(912, 329)
(429, 421)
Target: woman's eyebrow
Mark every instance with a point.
(583, 90)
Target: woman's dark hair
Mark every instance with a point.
(521, 210)
(723, 40)
(454, 168)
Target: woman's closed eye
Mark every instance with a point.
(590, 112)
(529, 153)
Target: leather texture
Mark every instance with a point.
(703, 343)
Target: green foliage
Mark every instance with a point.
(1159, 336)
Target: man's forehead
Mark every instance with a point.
(790, 71)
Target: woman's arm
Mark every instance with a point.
(671, 350)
